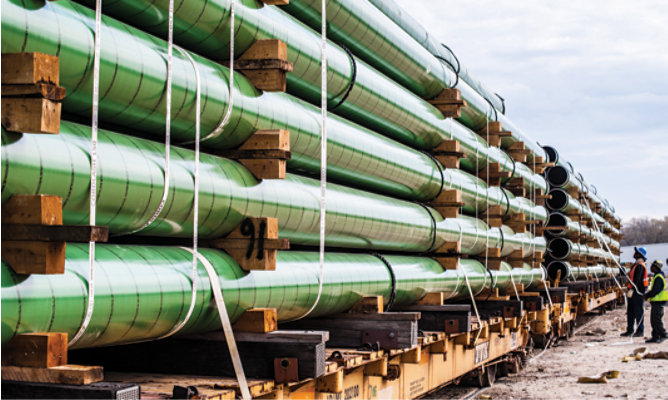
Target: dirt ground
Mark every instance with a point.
(595, 349)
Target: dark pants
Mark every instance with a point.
(634, 314)
(656, 318)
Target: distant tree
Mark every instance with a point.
(645, 231)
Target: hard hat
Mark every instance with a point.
(641, 251)
(658, 264)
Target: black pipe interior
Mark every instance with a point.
(557, 176)
(560, 248)
(559, 200)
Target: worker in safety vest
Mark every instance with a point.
(638, 282)
(657, 297)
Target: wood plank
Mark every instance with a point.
(37, 350)
(40, 209)
(66, 374)
(55, 233)
(260, 320)
(28, 68)
(368, 304)
(44, 90)
(31, 115)
(34, 257)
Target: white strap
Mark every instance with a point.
(323, 155)
(475, 306)
(230, 105)
(93, 172)
(225, 322)
(193, 274)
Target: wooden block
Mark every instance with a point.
(270, 80)
(242, 244)
(30, 115)
(43, 90)
(332, 383)
(265, 64)
(493, 252)
(276, 2)
(260, 320)
(37, 350)
(449, 102)
(278, 139)
(448, 153)
(448, 202)
(266, 49)
(448, 262)
(65, 374)
(33, 209)
(368, 304)
(449, 247)
(34, 257)
(266, 169)
(29, 68)
(433, 298)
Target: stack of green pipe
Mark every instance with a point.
(130, 186)
(374, 100)
(553, 156)
(143, 292)
(561, 249)
(570, 272)
(413, 28)
(561, 201)
(558, 219)
(379, 41)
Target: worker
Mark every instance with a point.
(638, 282)
(657, 297)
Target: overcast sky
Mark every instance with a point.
(588, 77)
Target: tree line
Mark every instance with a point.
(645, 231)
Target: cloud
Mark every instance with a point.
(590, 78)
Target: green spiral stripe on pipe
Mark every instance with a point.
(412, 27)
(131, 179)
(133, 82)
(380, 42)
(143, 292)
(569, 226)
(374, 101)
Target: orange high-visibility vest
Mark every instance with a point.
(645, 280)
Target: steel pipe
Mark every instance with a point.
(128, 196)
(374, 100)
(143, 292)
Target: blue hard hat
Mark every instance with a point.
(641, 250)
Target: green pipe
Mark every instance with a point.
(375, 101)
(365, 29)
(477, 196)
(413, 28)
(571, 272)
(128, 196)
(560, 249)
(565, 174)
(559, 220)
(561, 201)
(132, 87)
(143, 292)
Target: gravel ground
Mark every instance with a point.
(595, 349)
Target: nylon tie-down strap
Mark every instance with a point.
(225, 322)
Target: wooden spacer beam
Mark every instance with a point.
(265, 153)
(253, 244)
(449, 102)
(259, 320)
(265, 64)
